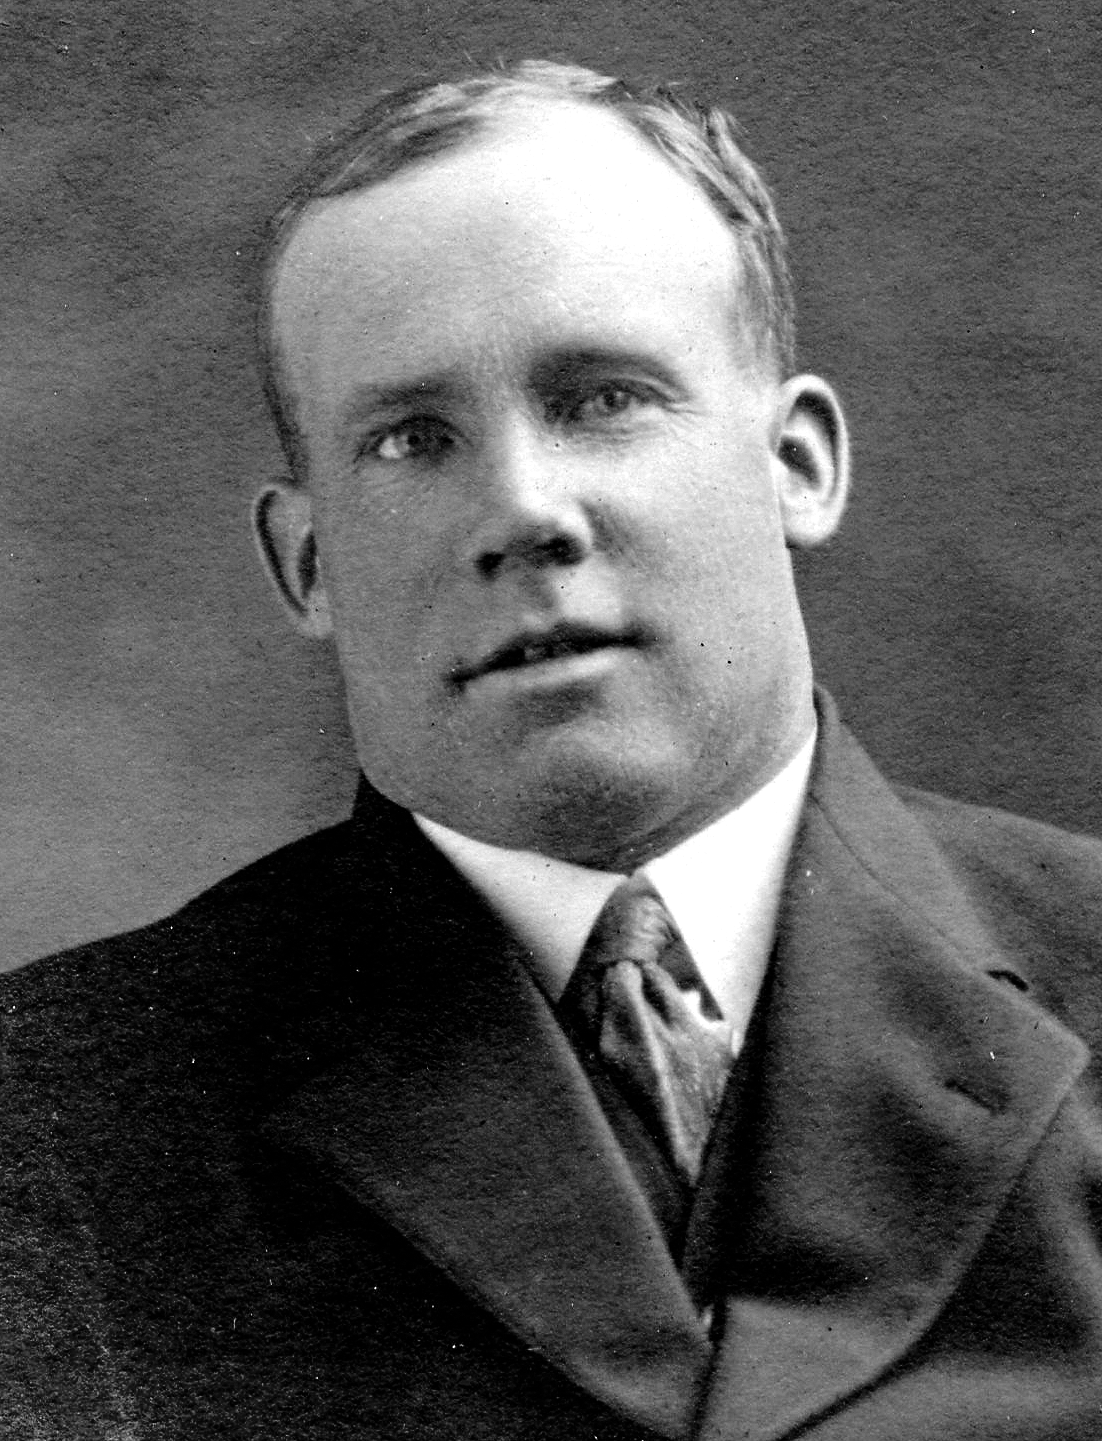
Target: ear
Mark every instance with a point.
(811, 450)
(284, 529)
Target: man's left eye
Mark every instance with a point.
(607, 402)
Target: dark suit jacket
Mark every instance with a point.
(312, 1159)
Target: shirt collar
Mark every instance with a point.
(722, 886)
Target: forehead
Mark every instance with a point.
(556, 214)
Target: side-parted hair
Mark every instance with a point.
(402, 127)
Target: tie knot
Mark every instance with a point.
(634, 925)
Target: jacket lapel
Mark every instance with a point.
(901, 1088)
(460, 1114)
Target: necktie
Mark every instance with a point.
(642, 1008)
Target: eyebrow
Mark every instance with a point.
(399, 395)
(569, 363)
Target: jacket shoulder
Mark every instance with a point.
(205, 976)
(1037, 891)
(1012, 854)
(254, 900)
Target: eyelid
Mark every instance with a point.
(369, 443)
(573, 397)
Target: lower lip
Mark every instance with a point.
(552, 674)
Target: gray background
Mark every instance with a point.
(939, 172)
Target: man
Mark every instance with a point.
(416, 1128)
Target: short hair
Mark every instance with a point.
(402, 127)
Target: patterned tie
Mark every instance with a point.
(642, 1007)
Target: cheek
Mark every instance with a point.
(391, 628)
(719, 524)
(372, 603)
(727, 557)
(378, 554)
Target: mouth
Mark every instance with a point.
(533, 649)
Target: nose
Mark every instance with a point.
(532, 514)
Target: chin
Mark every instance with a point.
(592, 806)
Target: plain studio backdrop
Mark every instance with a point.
(939, 170)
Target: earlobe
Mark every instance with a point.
(284, 530)
(811, 446)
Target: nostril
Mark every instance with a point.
(561, 550)
(489, 563)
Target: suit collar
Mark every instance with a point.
(460, 1114)
(901, 1090)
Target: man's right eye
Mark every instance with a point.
(420, 438)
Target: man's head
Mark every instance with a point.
(533, 373)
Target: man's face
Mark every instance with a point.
(544, 482)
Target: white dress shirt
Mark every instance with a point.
(722, 886)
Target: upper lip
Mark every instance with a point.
(526, 647)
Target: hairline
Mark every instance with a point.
(463, 130)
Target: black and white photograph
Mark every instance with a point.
(551, 619)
